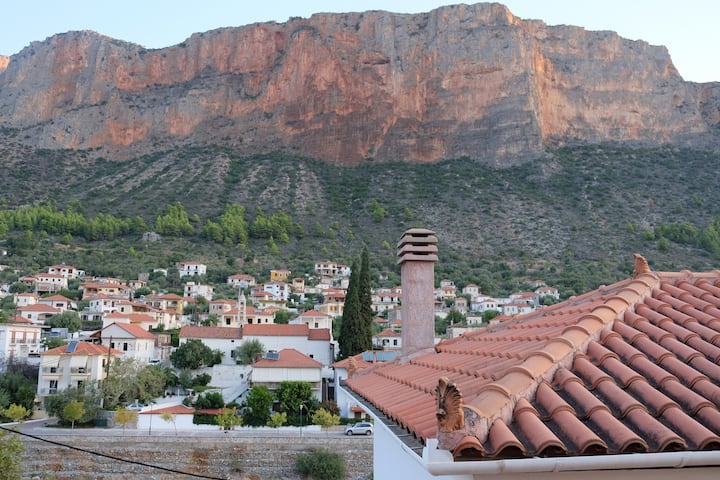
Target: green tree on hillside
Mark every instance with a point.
(174, 221)
(194, 354)
(68, 319)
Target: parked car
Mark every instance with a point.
(360, 428)
(134, 406)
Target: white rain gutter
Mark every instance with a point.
(439, 464)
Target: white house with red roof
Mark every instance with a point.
(316, 343)
(191, 268)
(471, 289)
(288, 364)
(25, 299)
(247, 315)
(165, 301)
(19, 340)
(72, 365)
(67, 271)
(313, 319)
(546, 291)
(108, 287)
(38, 313)
(48, 282)
(388, 339)
(131, 339)
(141, 319)
(59, 301)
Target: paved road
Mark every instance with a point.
(46, 428)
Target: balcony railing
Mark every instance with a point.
(48, 391)
(52, 370)
(80, 371)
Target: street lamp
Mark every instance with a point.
(301, 418)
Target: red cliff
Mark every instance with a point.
(458, 81)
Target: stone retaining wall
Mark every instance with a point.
(219, 456)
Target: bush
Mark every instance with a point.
(321, 464)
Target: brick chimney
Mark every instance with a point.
(417, 254)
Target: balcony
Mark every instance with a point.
(79, 371)
(52, 371)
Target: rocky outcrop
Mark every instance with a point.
(458, 81)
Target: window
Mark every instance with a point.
(125, 347)
(53, 386)
(317, 325)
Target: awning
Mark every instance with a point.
(77, 361)
(49, 361)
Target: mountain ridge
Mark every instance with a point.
(462, 80)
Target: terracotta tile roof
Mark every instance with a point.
(82, 348)
(173, 410)
(630, 367)
(39, 307)
(288, 358)
(388, 332)
(134, 330)
(192, 331)
(275, 329)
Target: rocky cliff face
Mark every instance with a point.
(457, 81)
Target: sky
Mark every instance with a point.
(689, 29)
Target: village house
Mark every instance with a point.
(67, 271)
(471, 290)
(279, 290)
(72, 365)
(196, 290)
(191, 268)
(546, 291)
(218, 307)
(297, 286)
(388, 339)
(165, 301)
(291, 365)
(241, 280)
(313, 319)
(37, 313)
(19, 341)
(620, 382)
(316, 343)
(110, 288)
(247, 316)
(142, 320)
(263, 299)
(328, 269)
(43, 283)
(24, 299)
(58, 301)
(280, 275)
(131, 339)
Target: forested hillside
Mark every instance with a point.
(573, 218)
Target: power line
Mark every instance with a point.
(119, 459)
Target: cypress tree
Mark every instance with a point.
(365, 299)
(349, 329)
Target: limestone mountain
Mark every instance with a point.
(459, 81)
